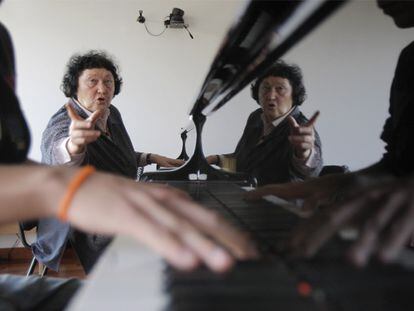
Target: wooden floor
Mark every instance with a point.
(17, 261)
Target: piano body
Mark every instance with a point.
(129, 277)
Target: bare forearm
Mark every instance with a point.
(31, 191)
(158, 216)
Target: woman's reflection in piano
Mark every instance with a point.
(279, 144)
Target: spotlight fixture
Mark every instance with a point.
(174, 20)
(141, 19)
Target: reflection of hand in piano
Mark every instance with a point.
(315, 192)
(302, 137)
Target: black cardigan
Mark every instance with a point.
(270, 161)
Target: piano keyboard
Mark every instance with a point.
(129, 277)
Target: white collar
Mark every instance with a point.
(268, 126)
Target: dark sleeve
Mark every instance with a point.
(138, 154)
(35, 293)
(14, 133)
(246, 132)
(119, 132)
(318, 155)
(398, 133)
(56, 129)
(7, 65)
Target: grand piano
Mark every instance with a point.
(129, 277)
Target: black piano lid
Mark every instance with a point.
(264, 32)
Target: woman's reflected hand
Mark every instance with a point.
(302, 137)
(164, 161)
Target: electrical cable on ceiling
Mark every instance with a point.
(152, 34)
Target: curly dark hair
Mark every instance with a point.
(92, 59)
(291, 72)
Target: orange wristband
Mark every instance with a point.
(74, 185)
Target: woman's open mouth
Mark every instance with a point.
(271, 105)
(101, 100)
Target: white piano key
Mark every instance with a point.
(127, 277)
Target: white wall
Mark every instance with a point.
(348, 64)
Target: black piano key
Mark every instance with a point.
(261, 285)
(376, 287)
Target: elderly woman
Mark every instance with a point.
(279, 144)
(87, 130)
